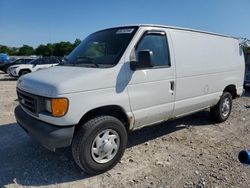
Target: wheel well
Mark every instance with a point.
(232, 90)
(111, 110)
(20, 72)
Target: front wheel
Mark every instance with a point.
(99, 144)
(222, 110)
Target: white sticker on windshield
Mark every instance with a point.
(124, 31)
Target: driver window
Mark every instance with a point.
(158, 45)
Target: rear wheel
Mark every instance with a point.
(222, 110)
(99, 144)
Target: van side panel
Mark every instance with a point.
(205, 65)
(150, 94)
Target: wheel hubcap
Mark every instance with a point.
(105, 146)
(225, 107)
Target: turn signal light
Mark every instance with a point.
(59, 107)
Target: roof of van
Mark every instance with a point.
(182, 28)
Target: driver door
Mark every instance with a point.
(152, 90)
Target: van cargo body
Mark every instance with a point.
(121, 79)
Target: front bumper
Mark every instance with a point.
(50, 136)
(12, 72)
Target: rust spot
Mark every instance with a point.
(131, 121)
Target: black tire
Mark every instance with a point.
(23, 72)
(217, 113)
(84, 138)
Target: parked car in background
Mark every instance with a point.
(247, 69)
(4, 58)
(34, 65)
(5, 66)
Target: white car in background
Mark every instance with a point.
(34, 65)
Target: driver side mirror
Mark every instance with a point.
(144, 60)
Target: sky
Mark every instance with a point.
(35, 22)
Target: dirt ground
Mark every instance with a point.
(190, 152)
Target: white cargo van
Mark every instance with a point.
(121, 79)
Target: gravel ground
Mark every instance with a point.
(189, 152)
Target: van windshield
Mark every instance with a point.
(102, 49)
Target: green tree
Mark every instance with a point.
(43, 50)
(26, 50)
(14, 51)
(245, 45)
(62, 48)
(40, 50)
(247, 49)
(49, 50)
(7, 50)
(76, 43)
(56, 49)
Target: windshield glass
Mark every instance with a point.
(101, 49)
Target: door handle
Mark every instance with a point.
(172, 87)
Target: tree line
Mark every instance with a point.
(247, 50)
(245, 44)
(56, 49)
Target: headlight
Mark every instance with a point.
(48, 105)
(57, 107)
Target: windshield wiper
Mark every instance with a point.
(89, 59)
(85, 57)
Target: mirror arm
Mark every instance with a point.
(133, 65)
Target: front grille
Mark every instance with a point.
(27, 101)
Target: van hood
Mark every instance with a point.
(64, 80)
